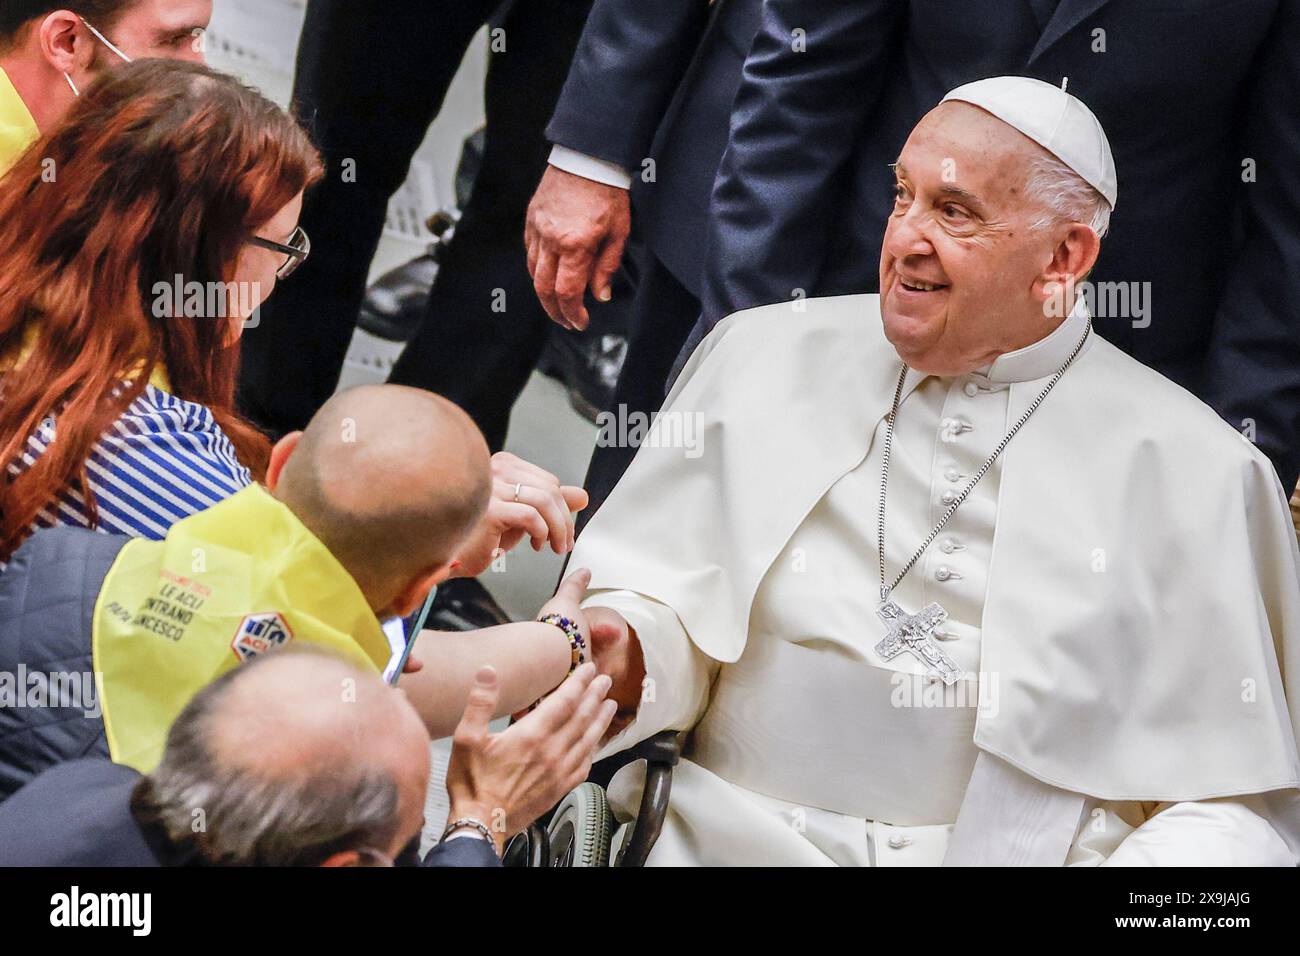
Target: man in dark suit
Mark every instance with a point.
(640, 125)
(370, 79)
(297, 758)
(1198, 273)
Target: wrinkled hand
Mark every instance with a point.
(542, 513)
(611, 643)
(616, 651)
(507, 780)
(575, 233)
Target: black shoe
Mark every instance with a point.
(588, 363)
(462, 604)
(395, 303)
(588, 366)
(394, 306)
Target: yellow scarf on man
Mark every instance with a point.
(242, 578)
(17, 128)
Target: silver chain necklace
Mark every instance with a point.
(913, 632)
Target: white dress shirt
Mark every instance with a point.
(589, 167)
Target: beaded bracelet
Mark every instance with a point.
(577, 643)
(469, 823)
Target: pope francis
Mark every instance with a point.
(947, 578)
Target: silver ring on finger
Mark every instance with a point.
(518, 486)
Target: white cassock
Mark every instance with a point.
(1122, 589)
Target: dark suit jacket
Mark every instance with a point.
(656, 80)
(79, 814)
(1187, 90)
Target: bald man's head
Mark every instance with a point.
(295, 758)
(392, 480)
(327, 712)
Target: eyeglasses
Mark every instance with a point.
(297, 249)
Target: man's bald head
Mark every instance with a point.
(293, 759)
(391, 479)
(327, 712)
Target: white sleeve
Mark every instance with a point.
(678, 674)
(589, 167)
(1233, 832)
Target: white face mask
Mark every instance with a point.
(102, 39)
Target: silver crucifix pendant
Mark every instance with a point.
(915, 633)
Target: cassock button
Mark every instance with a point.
(898, 842)
(948, 497)
(944, 635)
(945, 573)
(949, 546)
(950, 428)
(971, 389)
(952, 474)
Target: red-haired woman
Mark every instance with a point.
(136, 240)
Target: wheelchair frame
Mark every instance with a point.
(533, 847)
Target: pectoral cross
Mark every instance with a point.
(914, 633)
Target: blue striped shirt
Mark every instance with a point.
(163, 460)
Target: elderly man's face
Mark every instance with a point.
(962, 272)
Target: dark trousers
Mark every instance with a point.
(370, 79)
(663, 315)
(484, 329)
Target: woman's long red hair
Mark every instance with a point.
(162, 169)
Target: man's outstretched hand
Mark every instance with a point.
(508, 780)
(575, 233)
(542, 512)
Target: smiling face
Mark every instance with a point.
(967, 265)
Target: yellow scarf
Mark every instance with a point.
(244, 577)
(17, 128)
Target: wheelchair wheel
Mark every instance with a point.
(530, 848)
(582, 828)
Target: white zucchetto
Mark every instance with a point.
(1056, 120)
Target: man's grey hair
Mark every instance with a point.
(1065, 195)
(236, 817)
